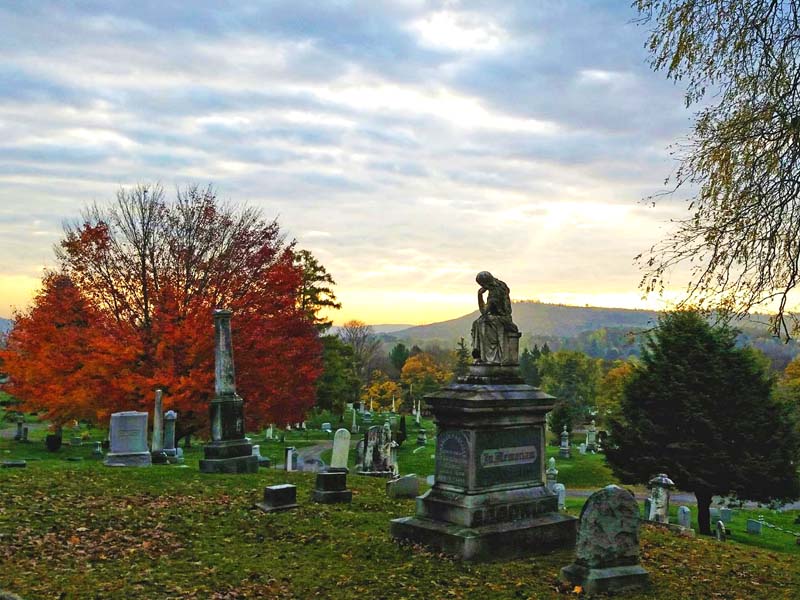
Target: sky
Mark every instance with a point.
(408, 145)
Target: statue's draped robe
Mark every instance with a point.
(489, 330)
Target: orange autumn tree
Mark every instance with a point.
(145, 273)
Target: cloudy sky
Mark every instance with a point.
(407, 144)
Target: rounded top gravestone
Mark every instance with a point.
(608, 533)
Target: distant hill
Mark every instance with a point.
(541, 320)
(382, 328)
(5, 325)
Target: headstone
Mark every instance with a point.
(354, 425)
(20, 423)
(311, 465)
(24, 439)
(97, 451)
(561, 491)
(331, 487)
(360, 451)
(422, 437)
(582, 448)
(591, 438)
(341, 449)
(406, 486)
(754, 526)
(721, 533)
(290, 458)
(128, 433)
(174, 454)
(725, 515)
(685, 517)
(713, 514)
(279, 497)
(263, 461)
(489, 499)
(564, 449)
(326, 427)
(52, 442)
(270, 433)
(14, 464)
(551, 474)
(430, 479)
(378, 452)
(660, 486)
(367, 417)
(157, 440)
(228, 451)
(648, 503)
(607, 546)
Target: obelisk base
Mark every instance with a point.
(229, 456)
(513, 539)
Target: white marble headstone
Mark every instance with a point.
(341, 449)
(128, 432)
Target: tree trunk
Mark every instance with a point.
(703, 513)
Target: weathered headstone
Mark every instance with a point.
(660, 486)
(607, 547)
(14, 464)
(591, 438)
(270, 433)
(754, 526)
(582, 448)
(326, 427)
(721, 533)
(157, 439)
(551, 474)
(354, 425)
(97, 451)
(564, 450)
(561, 491)
(489, 498)
(279, 497)
(378, 452)
(20, 423)
(263, 461)
(24, 439)
(726, 515)
(290, 458)
(76, 439)
(174, 454)
(341, 449)
(422, 437)
(406, 486)
(228, 451)
(128, 433)
(331, 487)
(685, 517)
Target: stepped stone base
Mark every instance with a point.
(132, 459)
(236, 464)
(513, 539)
(611, 579)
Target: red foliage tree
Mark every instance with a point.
(142, 278)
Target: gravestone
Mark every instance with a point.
(326, 427)
(561, 491)
(564, 450)
(377, 460)
(591, 438)
(174, 454)
(228, 451)
(290, 458)
(97, 451)
(331, 488)
(157, 438)
(52, 442)
(128, 433)
(14, 464)
(713, 514)
(721, 533)
(341, 449)
(406, 486)
(354, 425)
(20, 423)
(754, 526)
(607, 547)
(422, 437)
(660, 486)
(269, 434)
(551, 474)
(279, 497)
(311, 465)
(685, 517)
(263, 461)
(24, 439)
(648, 503)
(726, 515)
(582, 448)
(76, 440)
(489, 498)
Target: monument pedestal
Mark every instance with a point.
(489, 497)
(128, 459)
(230, 451)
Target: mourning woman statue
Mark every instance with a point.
(490, 331)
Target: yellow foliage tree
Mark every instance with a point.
(423, 373)
(611, 388)
(380, 391)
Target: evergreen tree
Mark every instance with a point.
(339, 382)
(545, 349)
(399, 355)
(402, 434)
(462, 359)
(703, 411)
(316, 291)
(529, 369)
(536, 353)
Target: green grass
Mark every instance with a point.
(84, 530)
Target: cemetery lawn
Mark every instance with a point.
(82, 530)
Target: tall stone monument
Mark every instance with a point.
(157, 437)
(489, 497)
(229, 451)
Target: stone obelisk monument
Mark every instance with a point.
(489, 498)
(229, 451)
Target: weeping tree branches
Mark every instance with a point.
(741, 166)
